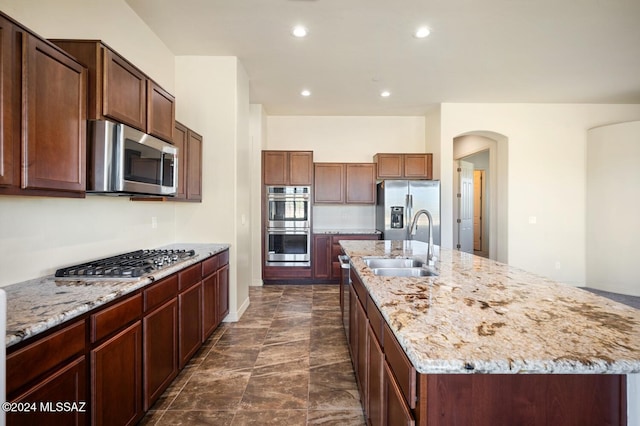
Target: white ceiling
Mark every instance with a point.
(549, 51)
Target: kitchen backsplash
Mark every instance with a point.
(344, 217)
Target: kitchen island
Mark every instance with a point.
(488, 343)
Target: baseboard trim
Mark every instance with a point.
(235, 316)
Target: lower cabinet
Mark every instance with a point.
(116, 372)
(215, 292)
(160, 331)
(190, 320)
(376, 381)
(66, 384)
(397, 411)
(115, 361)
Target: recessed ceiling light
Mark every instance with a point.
(305, 93)
(422, 32)
(385, 93)
(299, 31)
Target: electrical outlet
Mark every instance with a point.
(558, 265)
(154, 222)
(533, 220)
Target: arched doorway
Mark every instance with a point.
(475, 146)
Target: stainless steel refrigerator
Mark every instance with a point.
(399, 200)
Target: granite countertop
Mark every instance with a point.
(37, 305)
(346, 231)
(482, 316)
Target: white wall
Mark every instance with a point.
(613, 203)
(346, 139)
(546, 177)
(40, 234)
(258, 132)
(213, 99)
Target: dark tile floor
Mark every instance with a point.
(286, 362)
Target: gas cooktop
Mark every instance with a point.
(128, 265)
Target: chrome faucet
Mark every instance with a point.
(430, 237)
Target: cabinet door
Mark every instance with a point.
(418, 166)
(190, 323)
(390, 166)
(125, 87)
(160, 112)
(9, 102)
(300, 168)
(275, 168)
(362, 359)
(397, 411)
(54, 132)
(116, 377)
(375, 380)
(223, 293)
(160, 333)
(180, 141)
(352, 338)
(194, 166)
(209, 305)
(361, 183)
(328, 183)
(68, 384)
(321, 257)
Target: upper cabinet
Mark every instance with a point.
(340, 183)
(43, 129)
(404, 166)
(121, 92)
(287, 168)
(189, 145)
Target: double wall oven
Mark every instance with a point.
(288, 226)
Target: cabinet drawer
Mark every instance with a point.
(190, 276)
(160, 292)
(31, 361)
(376, 319)
(224, 258)
(115, 317)
(210, 265)
(402, 369)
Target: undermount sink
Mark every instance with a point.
(404, 272)
(399, 267)
(383, 262)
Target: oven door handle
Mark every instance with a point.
(279, 231)
(288, 197)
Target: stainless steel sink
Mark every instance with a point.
(383, 262)
(405, 272)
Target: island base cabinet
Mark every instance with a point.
(67, 385)
(518, 399)
(397, 411)
(116, 368)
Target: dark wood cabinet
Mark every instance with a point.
(376, 392)
(66, 384)
(10, 104)
(161, 111)
(215, 292)
(120, 357)
(321, 256)
(223, 293)
(396, 410)
(116, 371)
(194, 166)
(189, 145)
(43, 129)
(340, 183)
(328, 184)
(120, 91)
(360, 183)
(190, 323)
(160, 355)
(404, 166)
(287, 168)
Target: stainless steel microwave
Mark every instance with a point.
(124, 161)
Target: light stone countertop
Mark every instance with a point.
(482, 316)
(37, 305)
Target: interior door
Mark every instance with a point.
(465, 206)
(478, 208)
